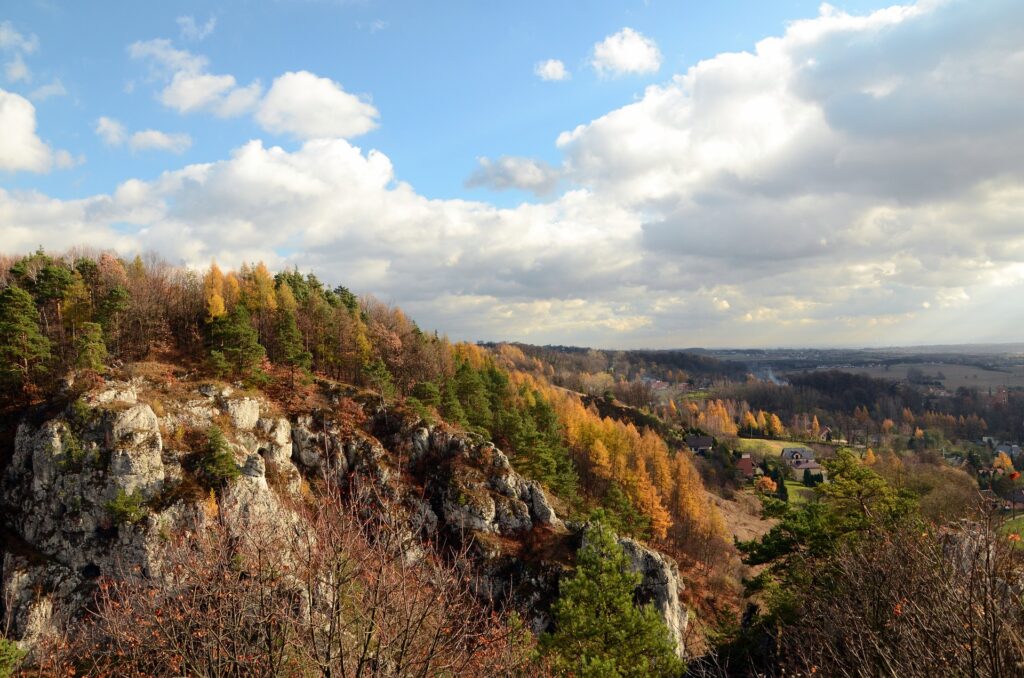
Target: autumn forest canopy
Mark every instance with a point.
(685, 453)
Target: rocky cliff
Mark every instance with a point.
(93, 485)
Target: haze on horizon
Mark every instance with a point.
(649, 175)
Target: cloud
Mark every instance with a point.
(190, 87)
(113, 133)
(44, 92)
(64, 160)
(12, 40)
(190, 30)
(16, 70)
(626, 53)
(20, 147)
(18, 45)
(854, 180)
(306, 106)
(512, 172)
(152, 139)
(551, 70)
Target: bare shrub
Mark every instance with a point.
(335, 594)
(913, 603)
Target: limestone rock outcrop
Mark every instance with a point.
(139, 441)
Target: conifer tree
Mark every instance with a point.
(23, 348)
(234, 346)
(290, 348)
(598, 630)
(379, 379)
(451, 408)
(90, 349)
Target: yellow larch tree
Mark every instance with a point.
(213, 292)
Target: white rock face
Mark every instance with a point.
(244, 413)
(660, 586)
(135, 461)
(115, 392)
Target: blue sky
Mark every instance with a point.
(688, 173)
(454, 76)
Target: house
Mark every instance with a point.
(1008, 448)
(745, 466)
(700, 444)
(810, 465)
(790, 455)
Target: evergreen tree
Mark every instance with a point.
(90, 350)
(234, 346)
(451, 408)
(598, 629)
(621, 514)
(23, 348)
(291, 350)
(779, 476)
(111, 308)
(474, 397)
(427, 393)
(217, 465)
(379, 379)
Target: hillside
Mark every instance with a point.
(156, 420)
(246, 473)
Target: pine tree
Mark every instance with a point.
(290, 348)
(234, 346)
(90, 349)
(23, 348)
(598, 630)
(379, 379)
(451, 408)
(217, 464)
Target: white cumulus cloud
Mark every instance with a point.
(307, 106)
(190, 86)
(627, 52)
(114, 133)
(551, 70)
(854, 179)
(20, 146)
(152, 139)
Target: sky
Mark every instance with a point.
(629, 174)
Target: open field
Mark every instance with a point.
(1014, 526)
(798, 492)
(759, 448)
(954, 375)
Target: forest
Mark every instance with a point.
(821, 587)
